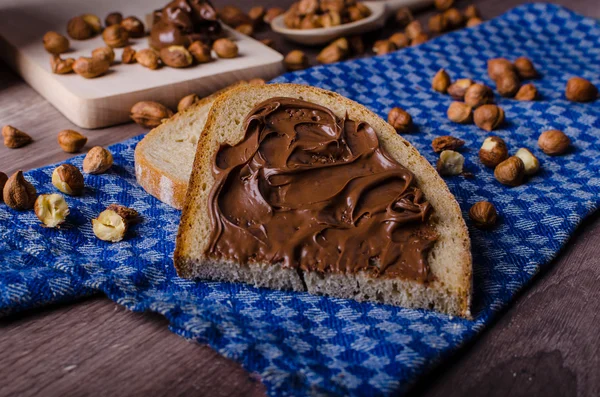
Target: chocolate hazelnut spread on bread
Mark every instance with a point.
(182, 22)
(316, 192)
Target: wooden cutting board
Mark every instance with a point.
(106, 100)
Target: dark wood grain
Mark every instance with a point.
(546, 344)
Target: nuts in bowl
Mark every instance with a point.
(313, 14)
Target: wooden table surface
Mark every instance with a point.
(546, 344)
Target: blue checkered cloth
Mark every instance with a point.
(302, 344)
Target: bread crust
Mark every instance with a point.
(453, 280)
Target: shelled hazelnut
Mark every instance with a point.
(233, 16)
(460, 112)
(97, 161)
(296, 60)
(525, 68)
(580, 90)
(14, 138)
(115, 36)
(61, 66)
(357, 45)
(128, 55)
(187, 102)
(437, 23)
(112, 224)
(104, 53)
(256, 14)
(18, 193)
(3, 179)
(527, 92)
(71, 141)
(413, 29)
(225, 48)
(55, 43)
(114, 18)
(473, 22)
(90, 68)
(493, 151)
(149, 114)
(94, 22)
(420, 39)
(334, 52)
(483, 214)
(443, 4)
(510, 172)
(382, 47)
(508, 84)
(441, 81)
(176, 56)
(454, 19)
(79, 29)
(446, 142)
(51, 209)
(450, 163)
(272, 13)
(148, 58)
(200, 52)
(400, 40)
(488, 117)
(400, 119)
(246, 29)
(471, 12)
(134, 27)
(554, 142)
(498, 66)
(458, 89)
(403, 17)
(530, 162)
(478, 94)
(68, 179)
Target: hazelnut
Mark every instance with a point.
(149, 114)
(454, 18)
(257, 81)
(61, 66)
(460, 112)
(403, 17)
(508, 84)
(332, 53)
(399, 119)
(68, 179)
(382, 47)
(296, 60)
(105, 53)
(134, 27)
(473, 22)
(488, 117)
(437, 23)
(273, 13)
(200, 52)
(443, 4)
(527, 92)
(326, 20)
(357, 45)
(493, 151)
(187, 102)
(51, 209)
(71, 141)
(256, 14)
(3, 179)
(447, 142)
(94, 22)
(176, 56)
(129, 214)
(458, 89)
(18, 193)
(450, 163)
(245, 29)
(115, 36)
(148, 58)
(114, 18)
(269, 43)
(55, 43)
(580, 90)
(15, 138)
(400, 40)
(471, 12)
(510, 172)
(554, 142)
(128, 55)
(97, 161)
(498, 66)
(420, 39)
(413, 29)
(225, 48)
(441, 81)
(90, 67)
(525, 68)
(478, 94)
(110, 226)
(483, 214)
(79, 29)
(530, 162)
(233, 16)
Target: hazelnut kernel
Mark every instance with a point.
(471, 12)
(399, 119)
(508, 84)
(459, 87)
(531, 163)
(450, 163)
(413, 29)
(525, 68)
(454, 18)
(187, 102)
(473, 22)
(382, 47)
(79, 29)
(225, 48)
(55, 43)
(580, 90)
(527, 92)
(437, 23)
(71, 141)
(296, 60)
(114, 18)
(460, 112)
(441, 81)
(18, 193)
(488, 117)
(400, 40)
(109, 226)
(68, 179)
(498, 66)
(97, 161)
(493, 151)
(483, 214)
(478, 94)
(443, 4)
(14, 138)
(51, 209)
(446, 142)
(554, 142)
(510, 172)
(134, 27)
(403, 17)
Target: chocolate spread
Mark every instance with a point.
(182, 22)
(312, 191)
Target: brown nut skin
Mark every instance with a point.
(471, 12)
(90, 68)
(176, 56)
(400, 119)
(483, 214)
(454, 19)
(382, 47)
(200, 52)
(55, 43)
(413, 29)
(488, 117)
(527, 92)
(187, 102)
(446, 142)
(493, 151)
(478, 94)
(3, 179)
(105, 53)
(61, 66)
(18, 193)
(272, 13)
(148, 58)
(554, 142)
(68, 179)
(403, 17)
(225, 48)
(94, 22)
(246, 29)
(256, 14)
(508, 84)
(525, 68)
(580, 90)
(233, 16)
(115, 36)
(150, 114)
(295, 60)
(473, 22)
(114, 18)
(460, 112)
(71, 141)
(510, 172)
(458, 89)
(420, 39)
(134, 27)
(443, 4)
(128, 55)
(79, 29)
(334, 52)
(437, 23)
(97, 161)
(441, 81)
(400, 40)
(14, 138)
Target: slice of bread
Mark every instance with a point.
(164, 158)
(449, 260)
